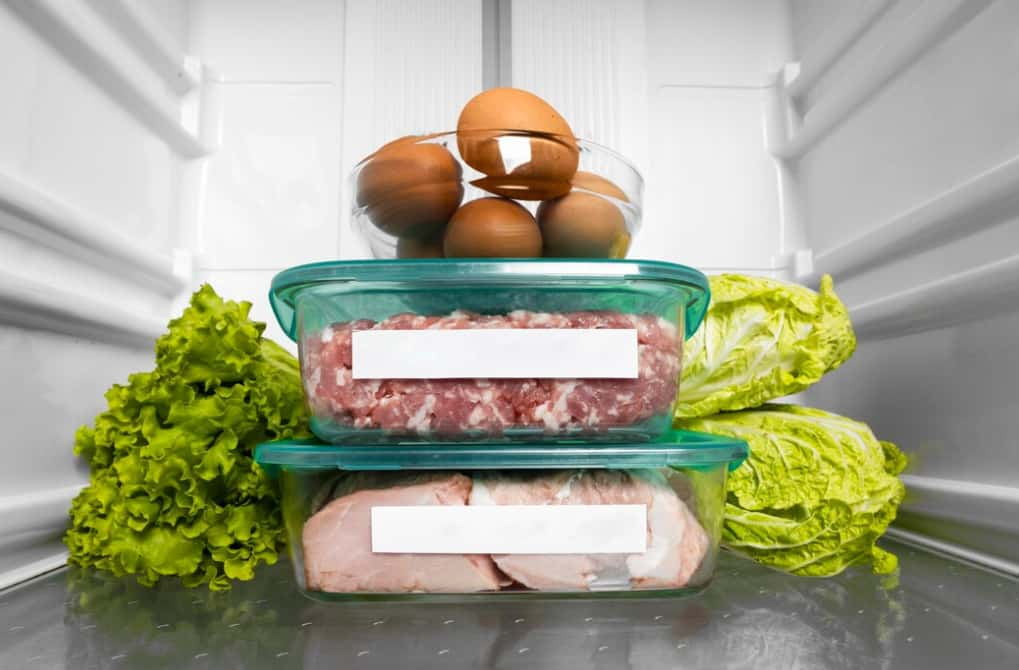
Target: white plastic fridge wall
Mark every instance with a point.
(907, 170)
(154, 145)
(91, 154)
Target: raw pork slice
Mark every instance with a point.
(676, 543)
(337, 540)
(453, 408)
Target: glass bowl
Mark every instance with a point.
(544, 196)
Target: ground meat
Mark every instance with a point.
(456, 407)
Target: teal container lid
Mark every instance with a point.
(691, 285)
(678, 448)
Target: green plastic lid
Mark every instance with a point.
(676, 449)
(689, 285)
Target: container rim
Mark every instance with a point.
(287, 284)
(677, 448)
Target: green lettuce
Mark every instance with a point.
(762, 339)
(816, 493)
(173, 488)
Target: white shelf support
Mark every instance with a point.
(942, 218)
(833, 47)
(948, 505)
(973, 294)
(954, 550)
(37, 216)
(898, 53)
(36, 511)
(56, 24)
(39, 515)
(779, 121)
(33, 569)
(179, 72)
(30, 304)
(972, 502)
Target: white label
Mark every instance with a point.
(497, 353)
(510, 529)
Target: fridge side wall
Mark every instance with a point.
(910, 200)
(88, 207)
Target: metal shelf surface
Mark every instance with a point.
(940, 614)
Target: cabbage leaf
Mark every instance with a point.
(762, 339)
(173, 489)
(816, 493)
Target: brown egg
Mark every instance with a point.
(401, 140)
(593, 182)
(410, 189)
(412, 247)
(583, 225)
(492, 227)
(515, 165)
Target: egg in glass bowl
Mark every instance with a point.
(512, 181)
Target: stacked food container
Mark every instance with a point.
(493, 406)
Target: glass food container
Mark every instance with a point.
(490, 349)
(454, 520)
(496, 193)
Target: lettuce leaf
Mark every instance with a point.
(174, 490)
(762, 339)
(816, 493)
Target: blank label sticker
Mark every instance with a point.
(497, 353)
(510, 529)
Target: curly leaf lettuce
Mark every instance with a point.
(816, 493)
(173, 488)
(762, 339)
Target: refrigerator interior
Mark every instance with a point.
(147, 146)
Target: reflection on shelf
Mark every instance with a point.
(937, 613)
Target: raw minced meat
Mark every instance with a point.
(451, 407)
